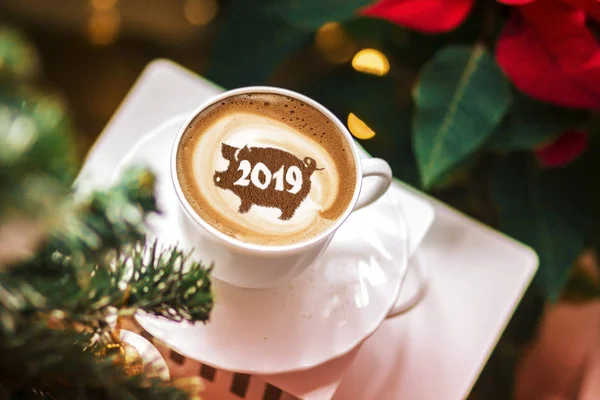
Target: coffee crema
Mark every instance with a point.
(266, 169)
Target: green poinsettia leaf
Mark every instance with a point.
(529, 124)
(311, 14)
(251, 44)
(541, 209)
(460, 99)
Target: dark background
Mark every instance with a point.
(92, 51)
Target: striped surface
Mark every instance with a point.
(216, 384)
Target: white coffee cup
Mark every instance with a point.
(259, 266)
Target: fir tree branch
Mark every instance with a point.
(162, 282)
(40, 362)
(90, 263)
(107, 220)
(35, 137)
(41, 346)
(166, 283)
(36, 167)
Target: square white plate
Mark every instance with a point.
(434, 352)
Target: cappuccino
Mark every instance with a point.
(266, 169)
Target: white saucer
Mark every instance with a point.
(320, 315)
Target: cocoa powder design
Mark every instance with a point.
(287, 198)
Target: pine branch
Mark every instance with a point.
(73, 272)
(42, 348)
(166, 283)
(107, 220)
(162, 282)
(36, 167)
(90, 262)
(44, 363)
(35, 137)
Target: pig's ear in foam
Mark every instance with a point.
(311, 164)
(227, 151)
(243, 153)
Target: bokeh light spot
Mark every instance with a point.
(200, 12)
(103, 26)
(358, 128)
(371, 61)
(334, 43)
(103, 5)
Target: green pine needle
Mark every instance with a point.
(44, 363)
(76, 264)
(107, 220)
(166, 283)
(160, 282)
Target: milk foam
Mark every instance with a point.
(246, 129)
(287, 132)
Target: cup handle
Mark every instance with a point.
(374, 167)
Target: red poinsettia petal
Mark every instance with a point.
(548, 53)
(590, 7)
(563, 150)
(563, 31)
(431, 16)
(516, 2)
(593, 10)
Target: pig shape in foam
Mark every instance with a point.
(267, 177)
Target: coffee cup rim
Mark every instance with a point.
(251, 247)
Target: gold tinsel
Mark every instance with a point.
(192, 385)
(124, 355)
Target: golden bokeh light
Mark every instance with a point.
(371, 61)
(102, 5)
(358, 128)
(103, 27)
(200, 12)
(334, 43)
